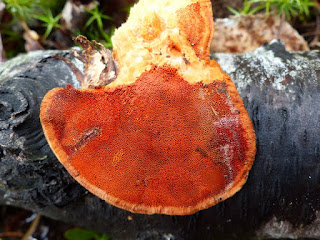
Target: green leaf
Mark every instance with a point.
(84, 234)
(50, 22)
(104, 237)
(79, 234)
(290, 8)
(106, 17)
(268, 5)
(3, 188)
(99, 23)
(233, 11)
(96, 15)
(48, 31)
(23, 9)
(256, 9)
(90, 20)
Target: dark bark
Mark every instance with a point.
(281, 92)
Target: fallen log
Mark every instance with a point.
(281, 92)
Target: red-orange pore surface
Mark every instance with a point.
(159, 145)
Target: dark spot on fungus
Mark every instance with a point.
(202, 152)
(86, 137)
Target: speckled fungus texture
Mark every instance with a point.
(169, 134)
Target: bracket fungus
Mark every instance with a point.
(156, 127)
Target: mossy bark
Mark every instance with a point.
(281, 92)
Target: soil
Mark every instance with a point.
(15, 222)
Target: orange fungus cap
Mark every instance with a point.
(170, 135)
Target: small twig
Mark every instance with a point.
(2, 9)
(11, 234)
(315, 41)
(25, 27)
(32, 34)
(317, 4)
(2, 52)
(308, 34)
(32, 227)
(79, 75)
(282, 19)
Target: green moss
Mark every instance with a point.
(288, 8)
(84, 234)
(43, 17)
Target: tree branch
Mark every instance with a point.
(281, 91)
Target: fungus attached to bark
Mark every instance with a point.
(157, 126)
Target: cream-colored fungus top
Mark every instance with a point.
(160, 32)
